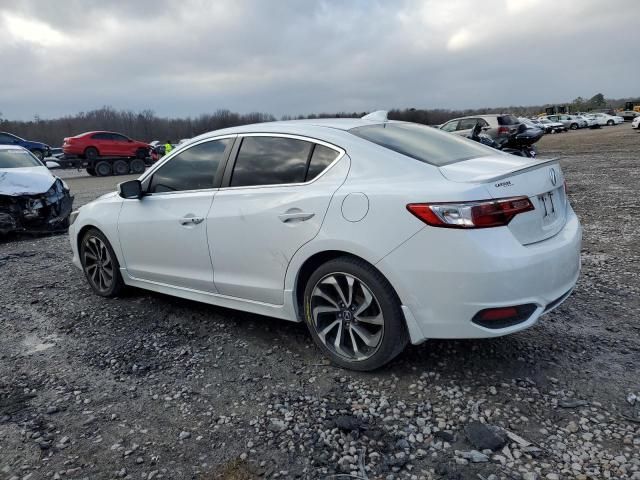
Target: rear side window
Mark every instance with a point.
(270, 161)
(321, 158)
(507, 120)
(193, 169)
(425, 144)
(468, 123)
(102, 136)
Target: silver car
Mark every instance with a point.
(497, 126)
(569, 121)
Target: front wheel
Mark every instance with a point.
(100, 264)
(354, 315)
(610, 123)
(574, 126)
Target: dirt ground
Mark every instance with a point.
(149, 386)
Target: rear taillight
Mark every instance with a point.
(503, 130)
(481, 214)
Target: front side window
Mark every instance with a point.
(270, 161)
(468, 123)
(192, 169)
(422, 143)
(450, 126)
(18, 159)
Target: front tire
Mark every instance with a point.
(610, 123)
(354, 314)
(137, 166)
(573, 126)
(100, 265)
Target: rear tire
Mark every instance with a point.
(120, 167)
(100, 265)
(573, 126)
(349, 303)
(103, 169)
(91, 153)
(38, 153)
(610, 123)
(137, 166)
(142, 154)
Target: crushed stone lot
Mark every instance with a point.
(148, 386)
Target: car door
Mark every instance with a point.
(101, 141)
(163, 235)
(273, 200)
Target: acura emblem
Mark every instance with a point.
(554, 178)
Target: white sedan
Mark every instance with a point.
(606, 119)
(374, 233)
(636, 123)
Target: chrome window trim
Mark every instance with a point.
(147, 175)
(179, 150)
(341, 153)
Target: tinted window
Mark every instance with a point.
(270, 161)
(450, 126)
(468, 123)
(320, 159)
(193, 169)
(7, 138)
(119, 138)
(426, 144)
(101, 136)
(507, 120)
(17, 159)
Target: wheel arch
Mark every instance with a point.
(312, 263)
(115, 245)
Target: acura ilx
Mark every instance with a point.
(375, 233)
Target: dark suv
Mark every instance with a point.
(39, 149)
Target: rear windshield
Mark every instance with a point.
(426, 144)
(18, 159)
(507, 120)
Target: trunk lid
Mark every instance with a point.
(506, 176)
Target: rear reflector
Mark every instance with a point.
(481, 214)
(504, 317)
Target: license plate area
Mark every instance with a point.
(549, 205)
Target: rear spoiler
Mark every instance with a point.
(471, 171)
(524, 169)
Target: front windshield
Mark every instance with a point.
(14, 158)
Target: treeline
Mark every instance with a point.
(144, 125)
(147, 126)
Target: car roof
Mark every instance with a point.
(320, 127)
(12, 147)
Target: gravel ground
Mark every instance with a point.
(148, 386)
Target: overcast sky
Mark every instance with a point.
(188, 57)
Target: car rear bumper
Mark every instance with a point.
(445, 277)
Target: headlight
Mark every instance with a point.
(73, 216)
(64, 184)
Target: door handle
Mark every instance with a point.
(300, 216)
(191, 220)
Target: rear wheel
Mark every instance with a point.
(38, 153)
(354, 315)
(91, 153)
(141, 154)
(573, 126)
(120, 167)
(137, 166)
(610, 122)
(100, 264)
(103, 169)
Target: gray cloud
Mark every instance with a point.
(287, 56)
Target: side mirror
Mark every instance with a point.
(51, 164)
(131, 189)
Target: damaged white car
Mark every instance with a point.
(31, 198)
